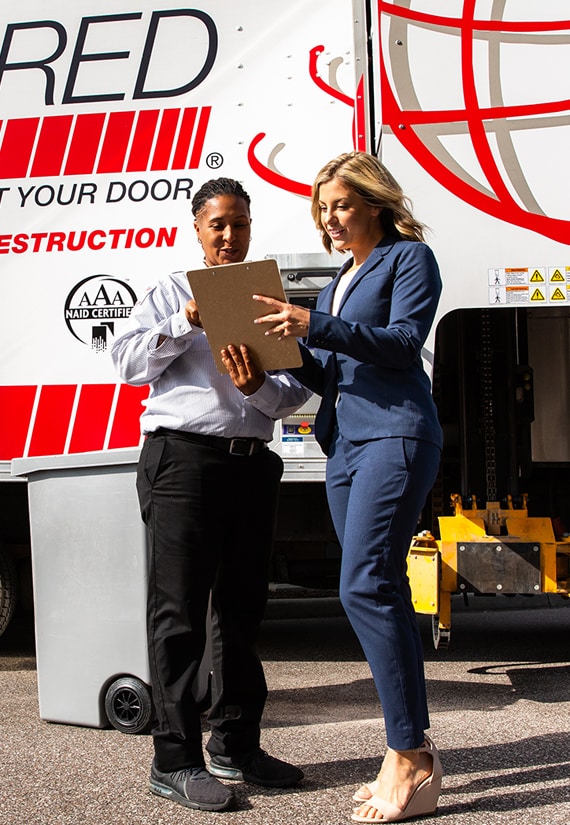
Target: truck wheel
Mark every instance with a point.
(8, 589)
(128, 705)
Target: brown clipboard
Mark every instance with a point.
(227, 311)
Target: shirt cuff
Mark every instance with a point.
(266, 399)
(176, 330)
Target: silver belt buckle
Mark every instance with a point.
(246, 448)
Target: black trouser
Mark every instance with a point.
(210, 518)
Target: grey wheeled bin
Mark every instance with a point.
(89, 573)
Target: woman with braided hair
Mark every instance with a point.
(208, 487)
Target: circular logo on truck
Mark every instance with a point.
(93, 307)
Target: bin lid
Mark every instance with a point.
(99, 458)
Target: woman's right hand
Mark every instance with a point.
(288, 319)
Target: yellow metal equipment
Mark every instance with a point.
(490, 551)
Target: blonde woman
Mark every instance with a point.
(378, 425)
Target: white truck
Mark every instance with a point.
(115, 111)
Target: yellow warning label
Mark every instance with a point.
(557, 295)
(537, 296)
(557, 276)
(536, 277)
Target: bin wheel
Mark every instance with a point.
(441, 637)
(8, 589)
(128, 705)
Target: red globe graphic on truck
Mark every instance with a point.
(493, 97)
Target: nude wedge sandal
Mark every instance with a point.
(422, 802)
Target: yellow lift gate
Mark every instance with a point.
(493, 551)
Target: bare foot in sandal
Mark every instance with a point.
(408, 785)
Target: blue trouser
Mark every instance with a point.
(376, 490)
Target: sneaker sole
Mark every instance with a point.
(169, 793)
(235, 774)
(225, 773)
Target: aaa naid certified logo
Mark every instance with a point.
(94, 305)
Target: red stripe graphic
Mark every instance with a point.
(17, 146)
(359, 125)
(142, 141)
(184, 138)
(84, 144)
(200, 137)
(126, 426)
(87, 136)
(52, 420)
(91, 417)
(116, 141)
(16, 405)
(163, 148)
(52, 142)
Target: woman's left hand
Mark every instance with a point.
(288, 319)
(242, 369)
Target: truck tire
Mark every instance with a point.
(128, 705)
(8, 589)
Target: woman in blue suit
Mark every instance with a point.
(378, 425)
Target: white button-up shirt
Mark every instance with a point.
(186, 390)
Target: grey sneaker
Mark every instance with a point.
(192, 787)
(256, 767)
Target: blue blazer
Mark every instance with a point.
(366, 362)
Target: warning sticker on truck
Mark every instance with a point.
(529, 285)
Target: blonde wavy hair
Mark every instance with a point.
(370, 179)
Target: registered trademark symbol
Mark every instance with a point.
(214, 160)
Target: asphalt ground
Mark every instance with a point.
(500, 709)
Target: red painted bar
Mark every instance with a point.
(91, 417)
(184, 138)
(52, 419)
(115, 142)
(52, 142)
(163, 148)
(142, 141)
(125, 431)
(200, 138)
(16, 405)
(84, 144)
(16, 149)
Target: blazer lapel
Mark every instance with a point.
(378, 253)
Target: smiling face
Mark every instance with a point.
(223, 227)
(350, 222)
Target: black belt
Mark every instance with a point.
(234, 446)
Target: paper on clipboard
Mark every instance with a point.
(227, 310)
